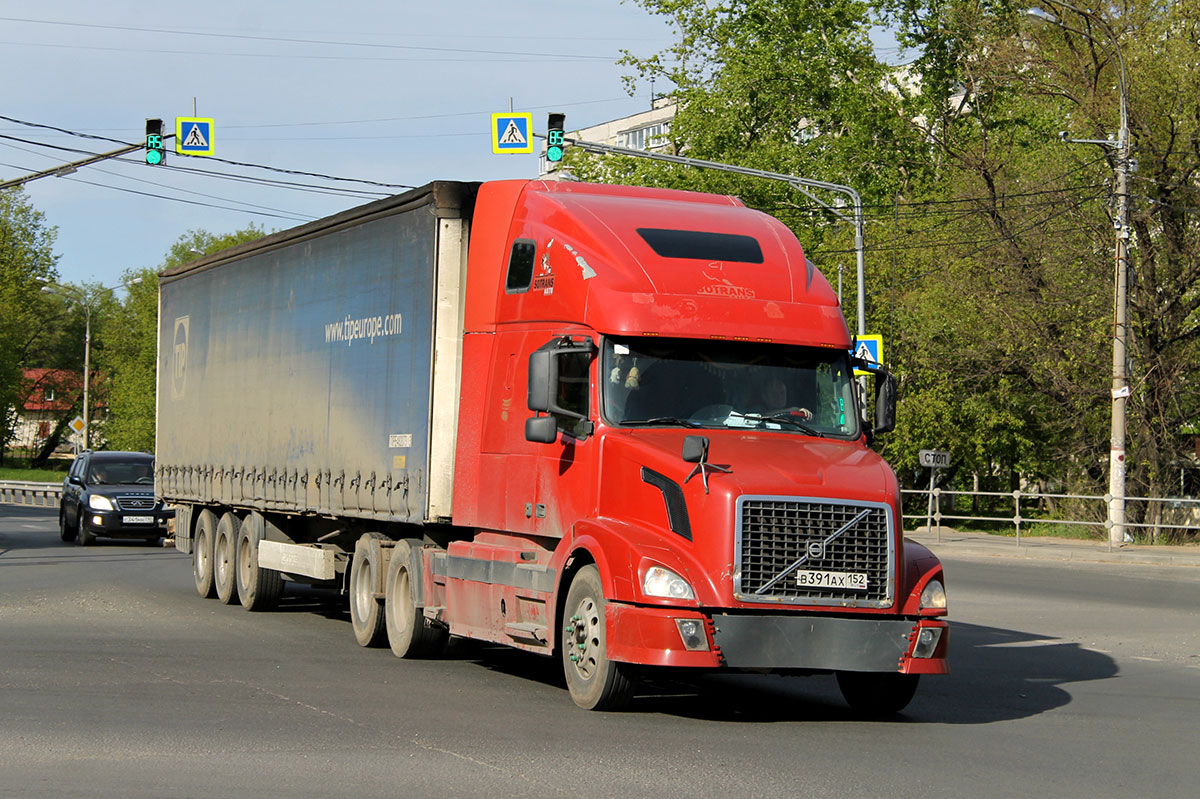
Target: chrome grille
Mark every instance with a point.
(780, 536)
(136, 503)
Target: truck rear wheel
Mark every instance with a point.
(202, 553)
(409, 633)
(876, 694)
(595, 682)
(257, 589)
(366, 572)
(225, 558)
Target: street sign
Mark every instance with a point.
(512, 133)
(934, 459)
(193, 136)
(76, 424)
(869, 349)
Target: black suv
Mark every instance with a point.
(111, 494)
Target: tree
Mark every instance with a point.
(129, 356)
(27, 262)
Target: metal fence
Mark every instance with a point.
(15, 492)
(1153, 518)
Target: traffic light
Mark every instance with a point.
(555, 143)
(155, 152)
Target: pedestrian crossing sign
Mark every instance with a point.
(869, 349)
(193, 136)
(512, 133)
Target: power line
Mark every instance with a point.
(288, 40)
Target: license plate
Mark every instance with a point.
(854, 581)
(137, 519)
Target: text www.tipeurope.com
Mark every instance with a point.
(350, 330)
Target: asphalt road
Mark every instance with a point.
(1069, 680)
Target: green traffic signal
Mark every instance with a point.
(155, 152)
(555, 142)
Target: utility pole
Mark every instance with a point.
(1120, 379)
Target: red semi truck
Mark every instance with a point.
(619, 426)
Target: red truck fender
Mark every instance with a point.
(920, 567)
(621, 552)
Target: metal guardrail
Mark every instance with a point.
(1168, 513)
(43, 495)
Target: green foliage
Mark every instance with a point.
(129, 357)
(27, 262)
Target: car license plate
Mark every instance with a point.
(137, 519)
(855, 581)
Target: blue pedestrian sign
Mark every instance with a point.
(193, 136)
(512, 133)
(869, 349)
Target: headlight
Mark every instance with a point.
(934, 595)
(97, 502)
(663, 582)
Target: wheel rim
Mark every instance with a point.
(222, 563)
(202, 557)
(243, 563)
(400, 607)
(362, 590)
(583, 637)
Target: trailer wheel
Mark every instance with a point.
(257, 589)
(366, 611)
(225, 558)
(595, 682)
(409, 633)
(875, 694)
(202, 553)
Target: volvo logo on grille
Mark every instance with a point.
(815, 550)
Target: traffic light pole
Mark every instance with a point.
(67, 169)
(804, 185)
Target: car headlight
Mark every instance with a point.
(660, 581)
(934, 595)
(97, 502)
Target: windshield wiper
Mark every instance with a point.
(663, 420)
(785, 418)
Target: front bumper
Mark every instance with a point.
(775, 642)
(122, 524)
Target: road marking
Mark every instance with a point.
(1152, 660)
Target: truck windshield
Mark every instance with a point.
(728, 384)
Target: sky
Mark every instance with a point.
(396, 92)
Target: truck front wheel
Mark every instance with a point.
(877, 694)
(595, 682)
(366, 609)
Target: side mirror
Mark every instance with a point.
(541, 429)
(885, 402)
(543, 375)
(75, 479)
(695, 449)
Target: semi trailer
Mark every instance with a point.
(618, 426)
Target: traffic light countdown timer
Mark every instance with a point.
(156, 153)
(554, 137)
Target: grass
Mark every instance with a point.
(18, 469)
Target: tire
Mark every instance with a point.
(65, 531)
(83, 536)
(366, 573)
(225, 558)
(409, 633)
(202, 553)
(875, 694)
(257, 589)
(594, 681)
